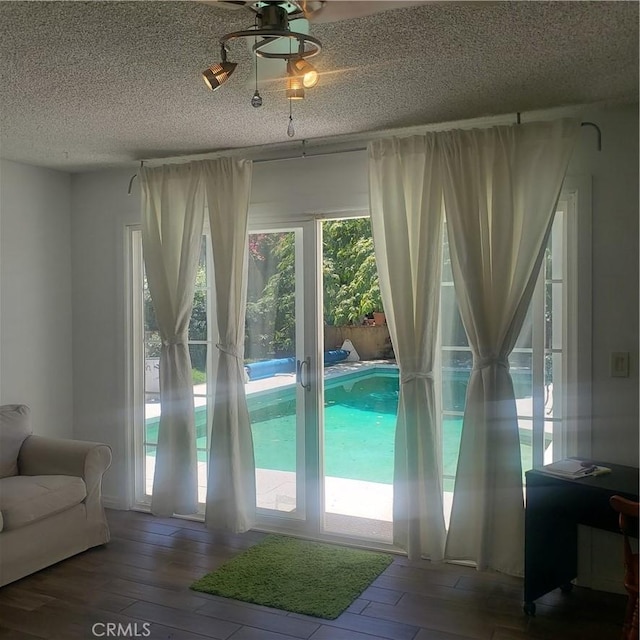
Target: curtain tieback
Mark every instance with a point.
(415, 375)
(483, 363)
(229, 349)
(175, 340)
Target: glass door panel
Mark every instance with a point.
(357, 429)
(198, 345)
(273, 349)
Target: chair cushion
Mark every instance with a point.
(15, 428)
(27, 499)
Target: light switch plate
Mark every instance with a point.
(619, 364)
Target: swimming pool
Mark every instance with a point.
(359, 429)
(359, 426)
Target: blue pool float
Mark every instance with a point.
(269, 368)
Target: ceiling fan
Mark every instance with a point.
(280, 34)
(323, 10)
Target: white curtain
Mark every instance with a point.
(501, 187)
(231, 489)
(406, 216)
(172, 221)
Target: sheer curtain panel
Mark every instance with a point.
(172, 221)
(231, 488)
(406, 216)
(501, 187)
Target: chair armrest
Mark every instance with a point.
(42, 456)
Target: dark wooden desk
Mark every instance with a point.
(555, 507)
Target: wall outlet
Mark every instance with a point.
(619, 365)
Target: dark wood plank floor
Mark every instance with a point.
(143, 576)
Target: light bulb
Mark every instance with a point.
(218, 74)
(256, 101)
(295, 90)
(309, 73)
(310, 79)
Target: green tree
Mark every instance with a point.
(351, 287)
(197, 324)
(270, 320)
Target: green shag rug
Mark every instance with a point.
(313, 578)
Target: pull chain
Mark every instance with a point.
(256, 100)
(290, 129)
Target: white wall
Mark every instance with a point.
(313, 185)
(35, 295)
(100, 212)
(614, 275)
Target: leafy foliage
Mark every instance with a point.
(270, 319)
(351, 289)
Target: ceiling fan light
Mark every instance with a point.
(310, 79)
(308, 72)
(295, 90)
(217, 74)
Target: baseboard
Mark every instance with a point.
(611, 586)
(110, 502)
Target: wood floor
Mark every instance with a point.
(143, 576)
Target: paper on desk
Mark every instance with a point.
(575, 469)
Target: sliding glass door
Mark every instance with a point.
(324, 456)
(274, 353)
(323, 415)
(281, 377)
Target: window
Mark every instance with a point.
(544, 363)
(146, 349)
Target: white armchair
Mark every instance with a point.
(50, 496)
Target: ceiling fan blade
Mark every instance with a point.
(336, 10)
(327, 10)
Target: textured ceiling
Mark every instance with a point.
(86, 85)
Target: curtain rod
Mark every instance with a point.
(304, 154)
(348, 149)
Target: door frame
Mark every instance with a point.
(309, 344)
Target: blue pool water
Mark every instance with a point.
(359, 427)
